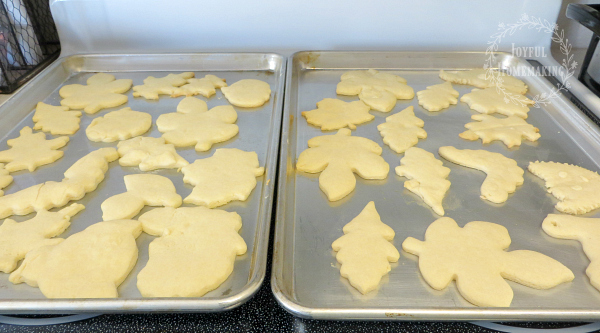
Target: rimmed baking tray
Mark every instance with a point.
(306, 279)
(259, 130)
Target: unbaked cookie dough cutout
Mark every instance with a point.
(332, 114)
(437, 97)
(503, 173)
(102, 91)
(206, 86)
(194, 124)
(365, 250)
(5, 178)
(353, 82)
(490, 100)
(248, 93)
(142, 190)
(427, 177)
(119, 125)
(230, 174)
(31, 150)
(474, 256)
(81, 178)
(576, 188)
(149, 154)
(56, 120)
(509, 130)
(337, 157)
(477, 77)
(19, 238)
(89, 264)
(194, 253)
(167, 85)
(402, 130)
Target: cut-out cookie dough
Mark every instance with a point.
(489, 101)
(584, 230)
(5, 178)
(427, 177)
(437, 97)
(509, 130)
(142, 190)
(332, 114)
(576, 188)
(194, 254)
(230, 174)
(476, 77)
(377, 99)
(402, 130)
(365, 251)
(102, 91)
(31, 150)
(18, 238)
(119, 125)
(205, 86)
(503, 173)
(337, 157)
(167, 85)
(56, 120)
(81, 178)
(353, 82)
(475, 257)
(194, 124)
(89, 264)
(247, 93)
(149, 154)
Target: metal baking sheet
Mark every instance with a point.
(259, 130)
(306, 278)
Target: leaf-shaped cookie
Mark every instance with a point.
(230, 174)
(194, 253)
(194, 124)
(142, 190)
(509, 130)
(479, 78)
(56, 119)
(89, 264)
(30, 150)
(247, 93)
(490, 100)
(102, 91)
(427, 177)
(576, 188)
(332, 114)
(402, 130)
(353, 82)
(149, 154)
(167, 85)
(365, 251)
(5, 178)
(474, 257)
(119, 125)
(503, 173)
(18, 238)
(205, 86)
(437, 97)
(338, 156)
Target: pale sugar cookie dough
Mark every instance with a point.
(247, 93)
(353, 82)
(102, 91)
(509, 130)
(31, 150)
(56, 120)
(119, 125)
(402, 130)
(477, 77)
(332, 114)
(490, 100)
(205, 86)
(167, 85)
(149, 154)
(437, 97)
(377, 99)
(5, 178)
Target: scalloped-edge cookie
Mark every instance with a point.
(166, 85)
(402, 130)
(509, 130)
(490, 100)
(119, 125)
(437, 97)
(477, 77)
(332, 114)
(149, 154)
(248, 93)
(56, 120)
(102, 91)
(31, 150)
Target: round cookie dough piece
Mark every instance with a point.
(119, 125)
(247, 93)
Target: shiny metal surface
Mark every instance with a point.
(259, 131)
(306, 279)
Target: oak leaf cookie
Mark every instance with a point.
(149, 154)
(490, 100)
(194, 253)
(353, 82)
(365, 251)
(89, 264)
(474, 257)
(509, 130)
(337, 157)
(437, 97)
(194, 124)
(332, 114)
(377, 99)
(576, 188)
(18, 238)
(503, 173)
(102, 91)
(402, 130)
(477, 77)
(247, 93)
(31, 150)
(119, 125)
(230, 174)
(56, 120)
(167, 85)
(205, 86)
(5, 178)
(81, 178)
(142, 190)
(427, 177)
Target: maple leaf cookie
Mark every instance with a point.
(167, 85)
(332, 114)
(509, 130)
(31, 150)
(437, 97)
(490, 100)
(56, 120)
(479, 78)
(402, 130)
